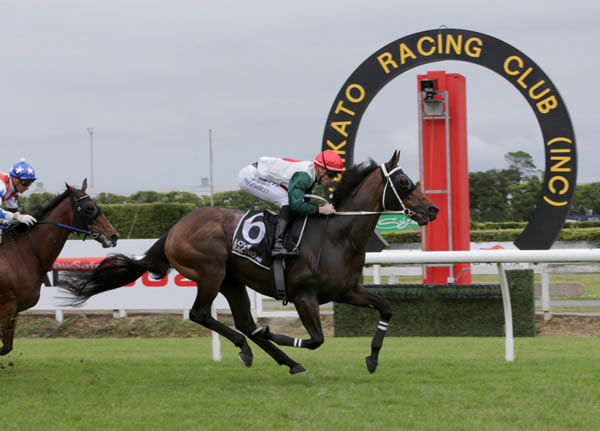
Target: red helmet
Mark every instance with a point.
(329, 160)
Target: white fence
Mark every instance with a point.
(500, 257)
(176, 293)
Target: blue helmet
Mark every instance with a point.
(23, 171)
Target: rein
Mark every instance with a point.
(388, 176)
(406, 212)
(79, 216)
(66, 226)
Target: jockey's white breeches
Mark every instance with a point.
(250, 181)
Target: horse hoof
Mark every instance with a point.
(246, 359)
(371, 364)
(298, 369)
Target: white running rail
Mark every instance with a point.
(499, 257)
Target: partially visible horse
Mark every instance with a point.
(327, 268)
(27, 254)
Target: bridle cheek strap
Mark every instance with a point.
(388, 181)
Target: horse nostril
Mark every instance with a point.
(433, 212)
(114, 238)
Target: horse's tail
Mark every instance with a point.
(116, 271)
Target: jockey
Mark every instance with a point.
(18, 180)
(285, 181)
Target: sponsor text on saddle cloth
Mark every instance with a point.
(254, 236)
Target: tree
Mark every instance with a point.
(508, 194)
(182, 198)
(521, 165)
(524, 197)
(487, 194)
(587, 199)
(34, 200)
(144, 197)
(110, 198)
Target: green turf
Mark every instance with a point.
(421, 384)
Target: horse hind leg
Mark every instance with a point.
(8, 323)
(239, 303)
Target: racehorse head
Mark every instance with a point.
(401, 194)
(87, 216)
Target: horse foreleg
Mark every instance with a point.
(363, 298)
(8, 323)
(202, 316)
(239, 303)
(200, 313)
(308, 310)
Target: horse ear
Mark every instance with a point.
(84, 185)
(394, 160)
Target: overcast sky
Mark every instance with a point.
(152, 77)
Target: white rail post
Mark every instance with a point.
(216, 342)
(259, 306)
(508, 323)
(376, 274)
(254, 310)
(546, 292)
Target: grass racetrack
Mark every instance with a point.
(421, 384)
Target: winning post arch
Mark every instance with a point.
(525, 76)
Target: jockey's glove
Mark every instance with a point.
(26, 218)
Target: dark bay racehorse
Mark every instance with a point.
(27, 255)
(199, 247)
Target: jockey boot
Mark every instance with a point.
(282, 222)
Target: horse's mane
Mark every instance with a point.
(40, 211)
(351, 178)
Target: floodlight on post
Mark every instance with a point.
(91, 132)
(431, 104)
(428, 86)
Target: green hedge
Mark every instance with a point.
(581, 224)
(478, 225)
(152, 220)
(442, 310)
(491, 235)
(145, 220)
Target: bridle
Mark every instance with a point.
(82, 218)
(387, 176)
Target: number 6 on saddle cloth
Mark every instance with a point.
(255, 233)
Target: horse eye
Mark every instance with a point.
(90, 209)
